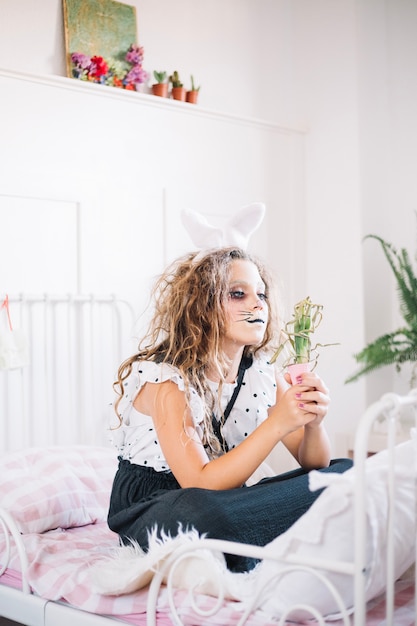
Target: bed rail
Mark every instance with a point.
(389, 408)
(11, 532)
(76, 343)
(207, 546)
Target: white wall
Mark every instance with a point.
(387, 61)
(326, 93)
(340, 70)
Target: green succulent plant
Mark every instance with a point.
(175, 79)
(399, 346)
(193, 87)
(160, 77)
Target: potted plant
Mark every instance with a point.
(298, 332)
(160, 88)
(399, 346)
(178, 90)
(192, 95)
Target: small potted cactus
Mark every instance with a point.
(178, 91)
(192, 95)
(298, 332)
(160, 88)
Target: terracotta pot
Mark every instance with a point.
(160, 89)
(296, 369)
(179, 93)
(192, 96)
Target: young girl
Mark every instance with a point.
(200, 408)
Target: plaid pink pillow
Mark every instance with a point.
(57, 487)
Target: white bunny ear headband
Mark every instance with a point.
(236, 232)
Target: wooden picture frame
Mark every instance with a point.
(98, 28)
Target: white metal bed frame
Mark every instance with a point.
(26, 608)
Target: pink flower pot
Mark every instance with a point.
(296, 369)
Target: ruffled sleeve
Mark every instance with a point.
(136, 439)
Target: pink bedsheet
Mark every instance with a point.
(59, 570)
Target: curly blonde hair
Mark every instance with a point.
(189, 322)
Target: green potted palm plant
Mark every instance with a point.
(302, 355)
(399, 346)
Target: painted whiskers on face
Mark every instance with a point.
(249, 316)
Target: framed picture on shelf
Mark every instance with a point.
(99, 28)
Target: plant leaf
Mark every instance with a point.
(397, 347)
(401, 345)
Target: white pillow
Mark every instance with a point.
(326, 531)
(57, 487)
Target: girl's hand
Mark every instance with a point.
(311, 395)
(301, 405)
(303, 408)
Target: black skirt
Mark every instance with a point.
(143, 500)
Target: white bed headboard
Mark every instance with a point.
(76, 343)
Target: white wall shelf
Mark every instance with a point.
(148, 100)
